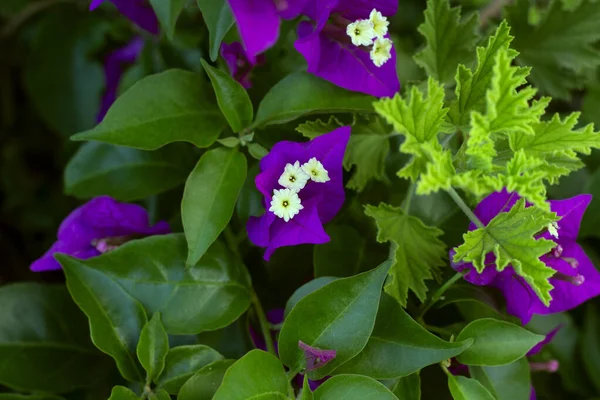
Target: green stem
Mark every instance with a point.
(438, 293)
(465, 208)
(438, 329)
(265, 327)
(409, 195)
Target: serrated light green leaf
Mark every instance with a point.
(438, 172)
(449, 41)
(560, 47)
(525, 174)
(510, 235)
(417, 251)
(312, 129)
(419, 119)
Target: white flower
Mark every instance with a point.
(315, 170)
(553, 229)
(361, 32)
(381, 51)
(380, 23)
(285, 203)
(293, 177)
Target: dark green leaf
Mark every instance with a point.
(232, 98)
(399, 346)
(167, 12)
(256, 375)
(496, 342)
(343, 255)
(124, 173)
(209, 198)
(344, 324)
(39, 351)
(352, 387)
(249, 202)
(153, 271)
(307, 289)
(506, 382)
(301, 94)
(171, 106)
(159, 394)
(307, 394)
(218, 18)
(470, 293)
(230, 142)
(257, 151)
(15, 396)
(591, 345)
(204, 384)
(153, 347)
(182, 362)
(122, 393)
(408, 387)
(64, 83)
(467, 389)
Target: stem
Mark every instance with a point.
(438, 293)
(265, 327)
(409, 195)
(465, 208)
(438, 329)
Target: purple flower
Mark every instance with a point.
(239, 64)
(258, 21)
(576, 279)
(98, 226)
(113, 71)
(138, 11)
(315, 358)
(347, 44)
(302, 188)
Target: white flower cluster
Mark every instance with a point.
(286, 203)
(367, 32)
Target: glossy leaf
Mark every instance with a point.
(153, 272)
(256, 375)
(122, 393)
(506, 382)
(408, 387)
(311, 95)
(307, 394)
(170, 106)
(232, 98)
(343, 325)
(307, 289)
(204, 384)
(219, 19)
(182, 362)
(463, 388)
(211, 192)
(38, 351)
(124, 173)
(490, 335)
(153, 347)
(159, 394)
(352, 387)
(168, 12)
(399, 346)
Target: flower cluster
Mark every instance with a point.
(286, 171)
(371, 32)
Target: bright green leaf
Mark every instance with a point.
(168, 12)
(204, 384)
(159, 394)
(232, 98)
(182, 362)
(209, 198)
(312, 129)
(153, 347)
(417, 251)
(122, 393)
(171, 106)
(506, 382)
(463, 388)
(219, 19)
(352, 387)
(496, 342)
(307, 394)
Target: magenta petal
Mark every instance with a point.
(571, 212)
(95, 4)
(48, 263)
(485, 278)
(139, 12)
(345, 65)
(290, 9)
(273, 164)
(360, 9)
(547, 339)
(259, 227)
(494, 204)
(258, 24)
(520, 298)
(315, 358)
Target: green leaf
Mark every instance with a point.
(496, 342)
(417, 251)
(124, 173)
(398, 337)
(344, 324)
(153, 272)
(506, 382)
(63, 80)
(449, 41)
(153, 347)
(408, 387)
(116, 317)
(591, 344)
(168, 12)
(510, 235)
(219, 19)
(471, 87)
(560, 47)
(204, 384)
(463, 388)
(305, 290)
(171, 106)
(306, 393)
(301, 93)
(312, 129)
(232, 98)
(184, 361)
(257, 151)
(38, 350)
(256, 375)
(209, 198)
(122, 393)
(419, 119)
(343, 255)
(160, 394)
(352, 387)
